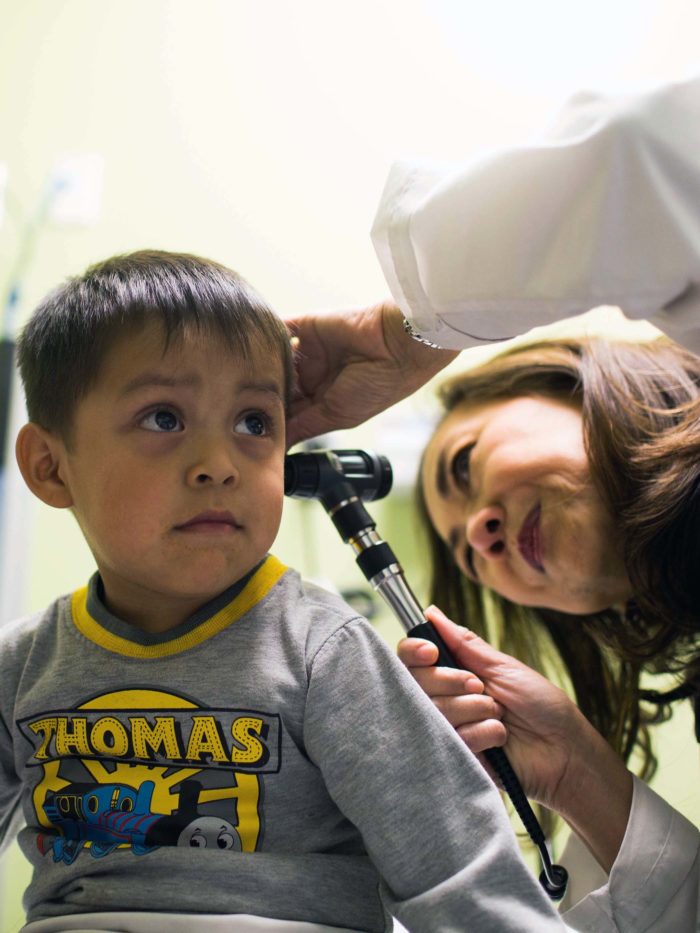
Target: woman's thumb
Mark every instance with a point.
(469, 650)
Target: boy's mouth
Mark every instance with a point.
(210, 521)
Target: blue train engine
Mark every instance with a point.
(102, 816)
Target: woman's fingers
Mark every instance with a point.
(457, 694)
(465, 710)
(478, 736)
(436, 681)
(414, 652)
(446, 681)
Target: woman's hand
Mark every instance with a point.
(352, 365)
(560, 759)
(500, 702)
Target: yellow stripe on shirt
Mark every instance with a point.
(254, 591)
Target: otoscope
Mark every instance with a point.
(341, 480)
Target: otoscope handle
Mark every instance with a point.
(496, 757)
(553, 878)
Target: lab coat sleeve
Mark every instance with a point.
(602, 209)
(654, 885)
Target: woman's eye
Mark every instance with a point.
(162, 420)
(253, 423)
(460, 465)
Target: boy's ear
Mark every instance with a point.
(39, 456)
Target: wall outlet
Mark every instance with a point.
(76, 189)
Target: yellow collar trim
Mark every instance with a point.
(257, 587)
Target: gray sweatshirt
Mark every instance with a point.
(269, 756)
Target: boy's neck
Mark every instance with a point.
(152, 612)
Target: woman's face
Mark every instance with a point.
(508, 488)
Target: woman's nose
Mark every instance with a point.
(486, 531)
(213, 465)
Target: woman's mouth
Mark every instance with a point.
(530, 540)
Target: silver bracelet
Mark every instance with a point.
(408, 327)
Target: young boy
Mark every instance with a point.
(197, 737)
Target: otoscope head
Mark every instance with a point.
(315, 474)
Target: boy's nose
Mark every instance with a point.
(213, 466)
(486, 531)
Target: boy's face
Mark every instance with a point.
(176, 471)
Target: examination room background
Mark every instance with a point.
(260, 134)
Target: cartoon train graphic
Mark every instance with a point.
(105, 816)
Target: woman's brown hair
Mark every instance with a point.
(640, 405)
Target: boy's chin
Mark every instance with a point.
(211, 581)
(206, 589)
(195, 584)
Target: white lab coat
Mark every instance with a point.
(602, 209)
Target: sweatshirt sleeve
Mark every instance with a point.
(432, 821)
(16, 639)
(603, 208)
(10, 790)
(654, 884)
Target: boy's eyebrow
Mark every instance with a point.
(159, 380)
(273, 388)
(145, 380)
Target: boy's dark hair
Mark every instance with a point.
(61, 349)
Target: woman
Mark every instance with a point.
(601, 209)
(566, 475)
(565, 478)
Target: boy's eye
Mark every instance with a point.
(162, 420)
(253, 423)
(460, 466)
